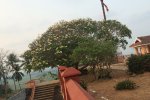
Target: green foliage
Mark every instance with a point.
(48, 76)
(9, 90)
(138, 64)
(83, 84)
(52, 75)
(56, 45)
(17, 75)
(114, 31)
(4, 69)
(14, 64)
(126, 84)
(26, 62)
(2, 90)
(97, 54)
(12, 59)
(93, 52)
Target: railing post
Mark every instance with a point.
(60, 70)
(65, 75)
(31, 84)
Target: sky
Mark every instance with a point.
(22, 21)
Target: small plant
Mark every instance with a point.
(126, 84)
(83, 84)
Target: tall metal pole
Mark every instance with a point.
(102, 3)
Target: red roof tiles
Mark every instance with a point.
(144, 40)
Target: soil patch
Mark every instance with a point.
(104, 89)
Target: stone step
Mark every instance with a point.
(48, 85)
(44, 95)
(44, 92)
(44, 98)
(41, 89)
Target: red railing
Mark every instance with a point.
(31, 84)
(70, 87)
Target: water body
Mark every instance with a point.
(44, 75)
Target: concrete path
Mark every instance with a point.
(47, 82)
(120, 66)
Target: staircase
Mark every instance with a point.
(48, 92)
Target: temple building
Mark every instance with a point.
(142, 45)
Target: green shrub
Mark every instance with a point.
(83, 84)
(146, 62)
(134, 64)
(138, 64)
(126, 84)
(9, 90)
(2, 90)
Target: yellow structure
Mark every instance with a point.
(142, 45)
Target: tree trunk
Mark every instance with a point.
(5, 84)
(19, 85)
(94, 72)
(14, 83)
(30, 76)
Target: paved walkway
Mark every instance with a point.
(120, 66)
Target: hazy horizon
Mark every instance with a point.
(22, 21)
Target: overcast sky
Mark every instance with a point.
(21, 21)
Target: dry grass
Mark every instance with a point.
(104, 89)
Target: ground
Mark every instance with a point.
(104, 89)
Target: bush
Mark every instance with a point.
(83, 84)
(138, 64)
(146, 62)
(2, 90)
(126, 84)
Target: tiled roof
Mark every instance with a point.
(143, 41)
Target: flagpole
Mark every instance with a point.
(102, 3)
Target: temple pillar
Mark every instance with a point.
(136, 50)
(148, 48)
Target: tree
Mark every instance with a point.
(26, 62)
(57, 44)
(12, 60)
(17, 75)
(114, 31)
(3, 68)
(94, 53)
(1, 78)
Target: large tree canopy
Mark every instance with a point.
(93, 52)
(57, 44)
